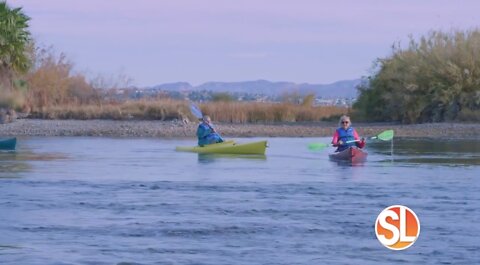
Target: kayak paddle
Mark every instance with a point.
(196, 111)
(384, 136)
(318, 146)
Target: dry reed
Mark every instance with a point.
(252, 112)
(167, 109)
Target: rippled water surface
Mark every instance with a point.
(137, 201)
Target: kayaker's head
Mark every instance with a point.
(344, 122)
(206, 119)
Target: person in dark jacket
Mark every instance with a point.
(206, 132)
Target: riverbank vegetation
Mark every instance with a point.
(168, 109)
(253, 112)
(434, 79)
(32, 78)
(14, 59)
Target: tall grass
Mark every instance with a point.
(252, 112)
(141, 110)
(167, 109)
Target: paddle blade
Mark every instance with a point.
(196, 111)
(386, 135)
(317, 146)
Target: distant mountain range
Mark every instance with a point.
(339, 89)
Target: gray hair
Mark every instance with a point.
(342, 118)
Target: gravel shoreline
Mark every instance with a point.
(178, 129)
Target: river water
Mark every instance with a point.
(137, 201)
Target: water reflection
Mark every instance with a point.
(431, 151)
(14, 162)
(209, 158)
(347, 163)
(442, 161)
(10, 164)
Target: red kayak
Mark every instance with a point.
(352, 154)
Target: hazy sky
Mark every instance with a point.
(195, 41)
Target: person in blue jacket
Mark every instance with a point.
(206, 132)
(346, 136)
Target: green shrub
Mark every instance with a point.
(434, 79)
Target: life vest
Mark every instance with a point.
(345, 136)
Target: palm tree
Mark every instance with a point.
(14, 41)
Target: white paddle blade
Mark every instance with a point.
(196, 111)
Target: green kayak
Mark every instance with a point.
(8, 144)
(228, 147)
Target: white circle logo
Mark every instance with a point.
(397, 227)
